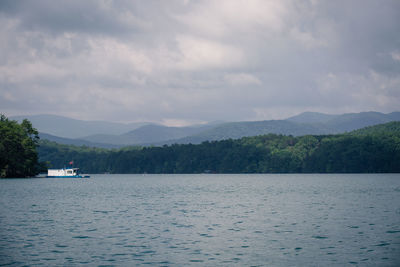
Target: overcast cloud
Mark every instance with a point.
(181, 62)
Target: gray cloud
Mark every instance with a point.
(191, 61)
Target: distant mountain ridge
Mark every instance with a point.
(306, 123)
(147, 134)
(236, 130)
(352, 121)
(312, 123)
(347, 121)
(76, 142)
(312, 117)
(73, 128)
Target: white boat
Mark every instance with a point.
(65, 173)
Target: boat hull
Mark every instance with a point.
(74, 176)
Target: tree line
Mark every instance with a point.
(373, 149)
(18, 154)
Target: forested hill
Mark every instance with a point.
(372, 149)
(110, 134)
(390, 128)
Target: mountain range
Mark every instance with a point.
(110, 134)
(71, 128)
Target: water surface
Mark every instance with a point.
(213, 220)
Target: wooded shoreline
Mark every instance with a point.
(374, 149)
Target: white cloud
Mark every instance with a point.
(396, 55)
(30, 71)
(222, 18)
(202, 54)
(306, 38)
(192, 61)
(238, 79)
(354, 92)
(111, 56)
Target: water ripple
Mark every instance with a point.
(213, 220)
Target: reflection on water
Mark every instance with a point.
(167, 220)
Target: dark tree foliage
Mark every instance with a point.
(18, 143)
(375, 149)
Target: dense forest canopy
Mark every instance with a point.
(372, 149)
(18, 142)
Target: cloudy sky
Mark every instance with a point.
(183, 62)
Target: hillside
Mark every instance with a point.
(75, 142)
(368, 150)
(352, 121)
(148, 134)
(105, 134)
(236, 130)
(302, 124)
(390, 128)
(71, 128)
(312, 117)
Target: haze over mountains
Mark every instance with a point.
(109, 134)
(72, 128)
(148, 134)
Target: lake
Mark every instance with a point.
(203, 220)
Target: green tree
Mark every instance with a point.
(18, 143)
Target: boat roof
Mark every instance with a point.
(66, 169)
